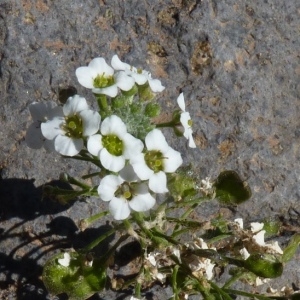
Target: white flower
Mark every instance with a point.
(256, 227)
(159, 159)
(102, 79)
(65, 262)
(186, 122)
(206, 186)
(125, 193)
(114, 145)
(198, 264)
(244, 253)
(260, 281)
(73, 122)
(40, 112)
(134, 298)
(239, 222)
(157, 260)
(259, 238)
(140, 76)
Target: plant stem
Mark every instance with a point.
(138, 217)
(249, 295)
(232, 280)
(137, 290)
(167, 124)
(102, 104)
(94, 243)
(220, 291)
(84, 223)
(76, 182)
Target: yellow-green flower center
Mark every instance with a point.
(125, 191)
(102, 81)
(113, 144)
(154, 160)
(73, 126)
(190, 122)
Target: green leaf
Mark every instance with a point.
(266, 266)
(272, 227)
(291, 248)
(78, 280)
(230, 189)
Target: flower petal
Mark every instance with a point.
(123, 81)
(256, 226)
(155, 140)
(113, 125)
(94, 144)
(173, 160)
(259, 237)
(184, 120)
(143, 201)
(132, 146)
(181, 102)
(140, 79)
(118, 65)
(85, 76)
(111, 162)
(91, 122)
(156, 85)
(52, 128)
(119, 208)
(100, 66)
(68, 146)
(110, 91)
(74, 105)
(191, 140)
(140, 168)
(158, 182)
(65, 262)
(108, 186)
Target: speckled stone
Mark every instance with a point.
(237, 64)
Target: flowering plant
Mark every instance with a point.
(144, 180)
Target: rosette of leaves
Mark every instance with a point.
(79, 280)
(231, 189)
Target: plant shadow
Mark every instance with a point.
(22, 251)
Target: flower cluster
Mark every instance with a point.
(136, 168)
(134, 161)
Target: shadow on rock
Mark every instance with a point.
(89, 235)
(25, 246)
(23, 272)
(20, 198)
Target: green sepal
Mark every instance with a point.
(131, 92)
(291, 248)
(78, 280)
(152, 110)
(181, 185)
(145, 92)
(230, 189)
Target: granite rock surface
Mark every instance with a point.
(238, 65)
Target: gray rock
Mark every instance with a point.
(237, 64)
